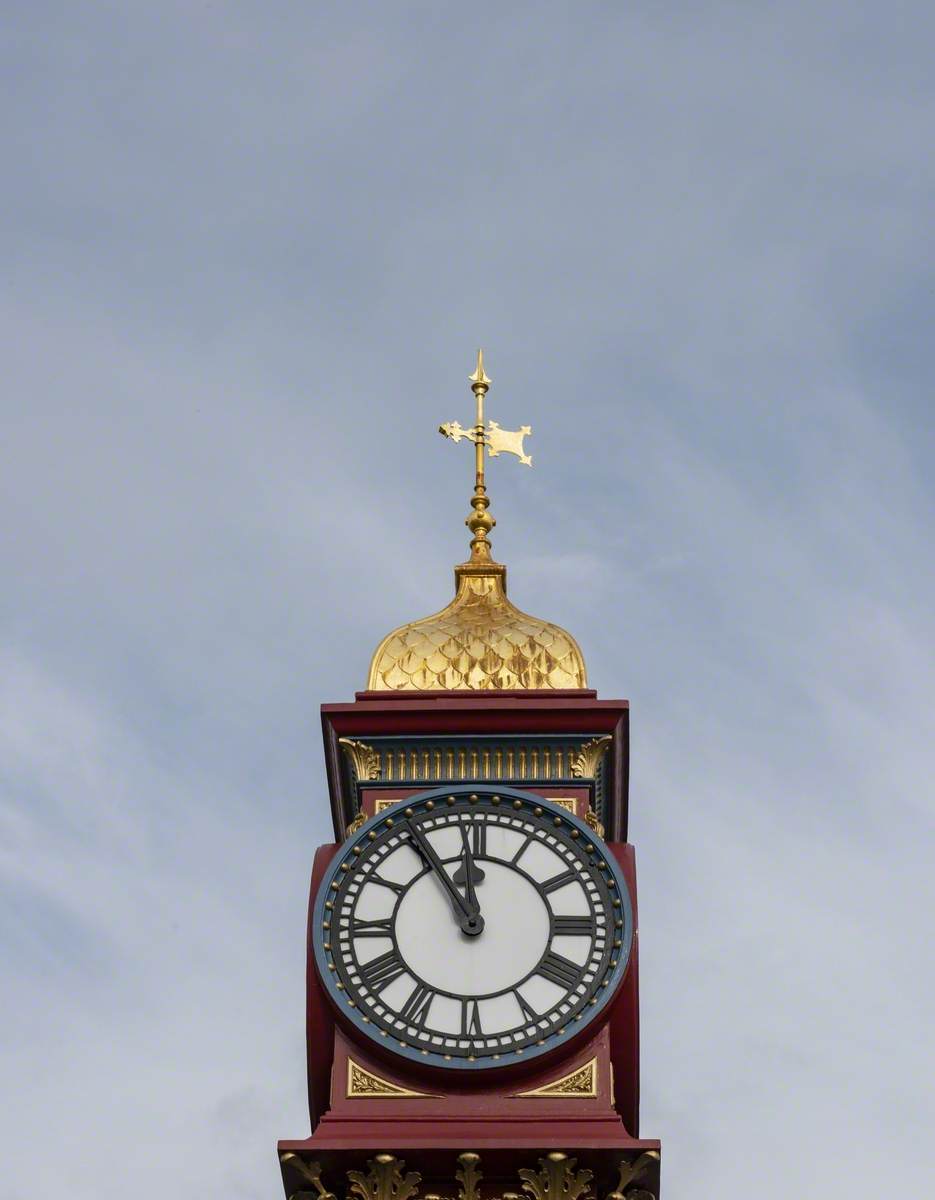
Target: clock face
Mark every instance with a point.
(466, 929)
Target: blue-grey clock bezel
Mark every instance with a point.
(351, 1013)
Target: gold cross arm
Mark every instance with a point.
(497, 440)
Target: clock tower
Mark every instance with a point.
(472, 1006)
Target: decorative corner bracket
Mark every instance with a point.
(364, 759)
(589, 757)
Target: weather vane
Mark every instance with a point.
(497, 441)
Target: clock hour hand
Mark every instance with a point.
(466, 914)
(464, 870)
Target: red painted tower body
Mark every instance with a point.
(472, 983)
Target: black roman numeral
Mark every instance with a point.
(574, 926)
(559, 970)
(470, 1019)
(372, 928)
(382, 970)
(558, 881)
(478, 838)
(522, 850)
(373, 877)
(528, 1011)
(416, 1009)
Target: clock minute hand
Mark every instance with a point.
(469, 918)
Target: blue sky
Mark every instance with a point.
(249, 252)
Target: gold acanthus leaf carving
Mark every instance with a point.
(633, 1172)
(358, 823)
(469, 1176)
(591, 817)
(556, 1179)
(365, 760)
(386, 1178)
(310, 1173)
(589, 756)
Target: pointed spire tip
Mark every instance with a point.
(479, 378)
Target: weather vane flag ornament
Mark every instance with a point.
(472, 1015)
(480, 640)
(497, 441)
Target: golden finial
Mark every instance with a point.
(479, 378)
(497, 441)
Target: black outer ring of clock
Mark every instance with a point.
(330, 968)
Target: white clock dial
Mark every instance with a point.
(468, 927)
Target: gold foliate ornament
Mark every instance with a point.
(358, 823)
(632, 1173)
(386, 1179)
(556, 1179)
(589, 757)
(365, 760)
(480, 641)
(310, 1173)
(592, 819)
(469, 1176)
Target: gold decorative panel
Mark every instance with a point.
(366, 1085)
(578, 1084)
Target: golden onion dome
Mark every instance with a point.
(480, 641)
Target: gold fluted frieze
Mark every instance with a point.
(550, 761)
